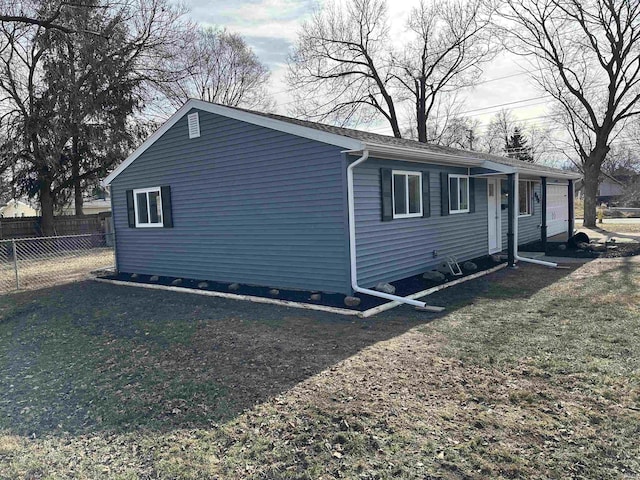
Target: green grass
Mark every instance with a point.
(533, 373)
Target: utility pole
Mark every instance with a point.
(471, 138)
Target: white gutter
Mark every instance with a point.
(515, 231)
(499, 167)
(423, 156)
(352, 245)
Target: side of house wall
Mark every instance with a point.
(250, 205)
(391, 250)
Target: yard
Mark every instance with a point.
(618, 228)
(530, 373)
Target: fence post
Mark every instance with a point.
(15, 263)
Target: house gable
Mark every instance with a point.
(249, 205)
(193, 106)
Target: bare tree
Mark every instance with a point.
(344, 67)
(499, 129)
(341, 66)
(62, 91)
(223, 69)
(588, 55)
(47, 16)
(32, 13)
(539, 138)
(504, 134)
(450, 44)
(446, 126)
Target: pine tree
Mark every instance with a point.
(90, 84)
(71, 95)
(516, 146)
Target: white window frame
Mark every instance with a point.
(457, 176)
(147, 191)
(406, 174)
(529, 211)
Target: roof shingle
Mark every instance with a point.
(369, 137)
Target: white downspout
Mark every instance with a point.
(352, 246)
(515, 231)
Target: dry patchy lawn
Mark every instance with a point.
(39, 272)
(619, 227)
(531, 373)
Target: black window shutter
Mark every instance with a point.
(167, 219)
(386, 194)
(472, 194)
(444, 193)
(426, 195)
(131, 211)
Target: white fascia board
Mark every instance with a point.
(248, 117)
(394, 152)
(529, 171)
(566, 176)
(544, 173)
(498, 167)
(279, 125)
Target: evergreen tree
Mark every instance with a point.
(90, 84)
(71, 96)
(516, 146)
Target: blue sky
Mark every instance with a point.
(270, 27)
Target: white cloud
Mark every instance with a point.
(271, 26)
(262, 18)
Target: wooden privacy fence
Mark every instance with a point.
(26, 227)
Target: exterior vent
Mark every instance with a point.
(194, 125)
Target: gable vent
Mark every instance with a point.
(194, 125)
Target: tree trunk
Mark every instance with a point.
(590, 197)
(46, 205)
(77, 197)
(421, 110)
(592, 168)
(75, 172)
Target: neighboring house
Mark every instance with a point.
(90, 206)
(230, 195)
(16, 209)
(611, 188)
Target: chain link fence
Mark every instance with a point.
(31, 263)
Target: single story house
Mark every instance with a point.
(232, 195)
(17, 209)
(90, 206)
(611, 188)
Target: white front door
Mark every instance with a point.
(494, 215)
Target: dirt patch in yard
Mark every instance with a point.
(531, 373)
(558, 249)
(43, 271)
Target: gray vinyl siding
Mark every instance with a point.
(388, 251)
(250, 205)
(528, 226)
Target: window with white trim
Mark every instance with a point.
(458, 193)
(148, 207)
(407, 194)
(525, 189)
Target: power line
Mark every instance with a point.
(489, 80)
